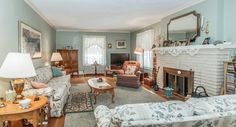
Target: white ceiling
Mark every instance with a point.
(106, 15)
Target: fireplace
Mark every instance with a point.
(180, 80)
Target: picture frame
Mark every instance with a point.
(206, 41)
(121, 44)
(30, 40)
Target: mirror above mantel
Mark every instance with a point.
(184, 29)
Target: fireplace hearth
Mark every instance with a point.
(180, 80)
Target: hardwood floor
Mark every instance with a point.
(59, 122)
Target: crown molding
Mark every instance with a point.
(86, 30)
(39, 13)
(182, 7)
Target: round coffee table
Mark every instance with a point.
(13, 112)
(101, 87)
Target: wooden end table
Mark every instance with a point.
(101, 87)
(12, 112)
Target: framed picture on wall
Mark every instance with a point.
(121, 44)
(30, 40)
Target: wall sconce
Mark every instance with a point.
(205, 26)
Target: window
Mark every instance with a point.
(94, 48)
(145, 40)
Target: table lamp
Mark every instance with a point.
(17, 66)
(56, 57)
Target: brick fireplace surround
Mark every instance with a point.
(206, 61)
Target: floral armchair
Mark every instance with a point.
(129, 79)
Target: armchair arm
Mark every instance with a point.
(48, 91)
(138, 74)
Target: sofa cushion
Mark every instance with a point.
(213, 104)
(56, 72)
(27, 84)
(48, 91)
(145, 111)
(59, 84)
(38, 85)
(130, 70)
(44, 74)
(103, 116)
(62, 80)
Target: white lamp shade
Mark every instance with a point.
(17, 65)
(56, 56)
(138, 51)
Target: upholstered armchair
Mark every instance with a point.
(129, 80)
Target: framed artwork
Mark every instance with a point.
(121, 44)
(206, 41)
(30, 40)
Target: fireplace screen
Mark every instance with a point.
(180, 80)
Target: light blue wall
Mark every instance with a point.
(75, 39)
(230, 20)
(219, 13)
(12, 11)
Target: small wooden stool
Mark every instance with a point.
(148, 81)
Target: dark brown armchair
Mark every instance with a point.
(129, 80)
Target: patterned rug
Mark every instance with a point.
(79, 102)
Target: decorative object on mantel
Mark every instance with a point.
(109, 45)
(191, 49)
(159, 39)
(121, 44)
(206, 41)
(205, 28)
(154, 46)
(217, 42)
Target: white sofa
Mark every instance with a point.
(218, 111)
(57, 90)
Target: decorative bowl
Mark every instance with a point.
(25, 103)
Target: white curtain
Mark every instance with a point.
(145, 40)
(94, 48)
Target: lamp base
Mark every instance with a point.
(18, 85)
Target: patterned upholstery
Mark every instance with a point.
(170, 114)
(101, 69)
(129, 80)
(57, 90)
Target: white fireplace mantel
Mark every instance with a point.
(205, 60)
(191, 49)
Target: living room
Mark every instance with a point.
(114, 63)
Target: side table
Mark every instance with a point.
(12, 112)
(148, 81)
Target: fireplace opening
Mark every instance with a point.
(179, 80)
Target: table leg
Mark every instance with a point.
(113, 95)
(95, 98)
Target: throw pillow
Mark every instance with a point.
(38, 85)
(56, 72)
(130, 70)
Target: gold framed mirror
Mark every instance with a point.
(184, 29)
